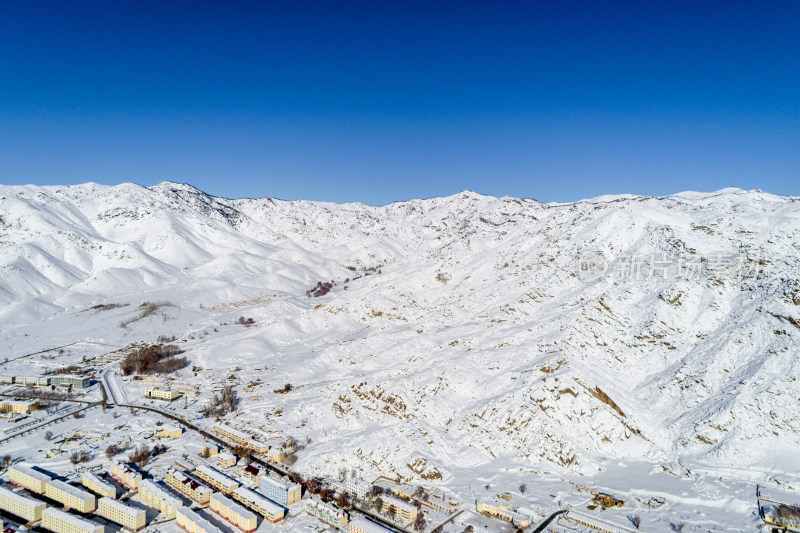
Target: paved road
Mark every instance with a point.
(546, 522)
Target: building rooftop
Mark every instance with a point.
(279, 483)
(121, 506)
(189, 480)
(258, 500)
(204, 524)
(25, 500)
(32, 472)
(233, 506)
(218, 476)
(95, 479)
(399, 504)
(72, 519)
(70, 489)
(233, 431)
(160, 492)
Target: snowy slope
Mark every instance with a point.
(473, 337)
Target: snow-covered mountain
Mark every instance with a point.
(459, 330)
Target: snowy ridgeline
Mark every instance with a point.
(456, 331)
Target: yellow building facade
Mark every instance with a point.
(126, 474)
(124, 515)
(24, 507)
(192, 522)
(97, 485)
(30, 478)
(233, 513)
(59, 521)
(157, 497)
(71, 497)
(189, 485)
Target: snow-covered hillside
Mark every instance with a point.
(466, 332)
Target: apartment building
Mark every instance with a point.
(226, 459)
(253, 473)
(189, 485)
(217, 479)
(161, 394)
(29, 509)
(98, 486)
(403, 510)
(210, 449)
(6, 379)
(233, 513)
(22, 407)
(156, 495)
(30, 478)
(358, 488)
(363, 525)
(127, 474)
(258, 446)
(280, 490)
(67, 380)
(233, 434)
(327, 513)
(259, 503)
(58, 521)
(71, 497)
(192, 522)
(122, 514)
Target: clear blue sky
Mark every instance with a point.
(376, 101)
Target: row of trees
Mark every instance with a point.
(157, 358)
(221, 404)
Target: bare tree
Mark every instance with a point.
(48, 435)
(677, 527)
(636, 520)
(523, 488)
(419, 523)
(113, 450)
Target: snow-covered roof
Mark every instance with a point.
(187, 479)
(233, 506)
(70, 489)
(29, 471)
(258, 500)
(233, 431)
(280, 483)
(204, 524)
(121, 506)
(72, 519)
(216, 475)
(19, 498)
(97, 481)
(159, 492)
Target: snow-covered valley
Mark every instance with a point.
(461, 341)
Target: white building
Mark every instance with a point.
(282, 491)
(358, 488)
(259, 503)
(68, 380)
